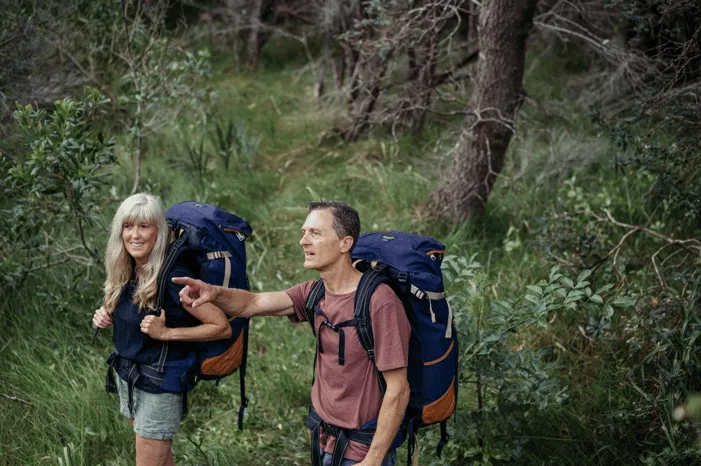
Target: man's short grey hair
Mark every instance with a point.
(346, 221)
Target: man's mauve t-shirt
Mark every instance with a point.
(349, 396)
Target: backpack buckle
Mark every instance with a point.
(402, 277)
(371, 354)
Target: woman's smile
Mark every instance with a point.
(139, 239)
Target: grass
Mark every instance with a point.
(45, 356)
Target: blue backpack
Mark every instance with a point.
(411, 266)
(210, 242)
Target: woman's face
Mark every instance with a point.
(139, 238)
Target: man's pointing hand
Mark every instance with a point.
(196, 292)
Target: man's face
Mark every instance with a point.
(322, 245)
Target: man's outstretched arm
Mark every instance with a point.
(233, 301)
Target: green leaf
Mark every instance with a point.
(567, 282)
(623, 302)
(535, 289)
(532, 299)
(604, 288)
(596, 299)
(550, 288)
(609, 311)
(584, 275)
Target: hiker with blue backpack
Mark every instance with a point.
(153, 362)
(386, 351)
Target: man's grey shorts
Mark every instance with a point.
(156, 416)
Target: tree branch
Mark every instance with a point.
(15, 399)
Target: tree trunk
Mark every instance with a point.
(139, 147)
(487, 129)
(254, 33)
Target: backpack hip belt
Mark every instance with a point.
(343, 436)
(134, 373)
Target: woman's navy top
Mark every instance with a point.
(132, 344)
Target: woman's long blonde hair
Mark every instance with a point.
(118, 262)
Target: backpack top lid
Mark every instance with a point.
(421, 256)
(207, 216)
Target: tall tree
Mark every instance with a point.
(504, 26)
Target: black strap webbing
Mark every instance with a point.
(368, 283)
(444, 439)
(315, 424)
(244, 401)
(242, 378)
(312, 302)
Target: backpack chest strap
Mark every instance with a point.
(338, 328)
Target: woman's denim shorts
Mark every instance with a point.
(156, 416)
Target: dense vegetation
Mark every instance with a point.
(576, 292)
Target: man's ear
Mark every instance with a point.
(346, 244)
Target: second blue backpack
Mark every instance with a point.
(411, 265)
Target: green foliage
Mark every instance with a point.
(557, 367)
(57, 183)
(164, 77)
(675, 166)
(507, 383)
(234, 142)
(198, 159)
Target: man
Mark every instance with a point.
(346, 391)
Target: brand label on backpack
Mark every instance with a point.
(387, 237)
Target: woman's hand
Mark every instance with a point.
(101, 319)
(155, 326)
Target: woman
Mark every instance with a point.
(136, 250)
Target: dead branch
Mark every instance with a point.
(692, 245)
(15, 399)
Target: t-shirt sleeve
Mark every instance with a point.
(298, 294)
(390, 328)
(173, 289)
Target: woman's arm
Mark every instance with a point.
(214, 326)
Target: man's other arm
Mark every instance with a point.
(391, 414)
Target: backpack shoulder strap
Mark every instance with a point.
(313, 298)
(171, 258)
(369, 282)
(174, 251)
